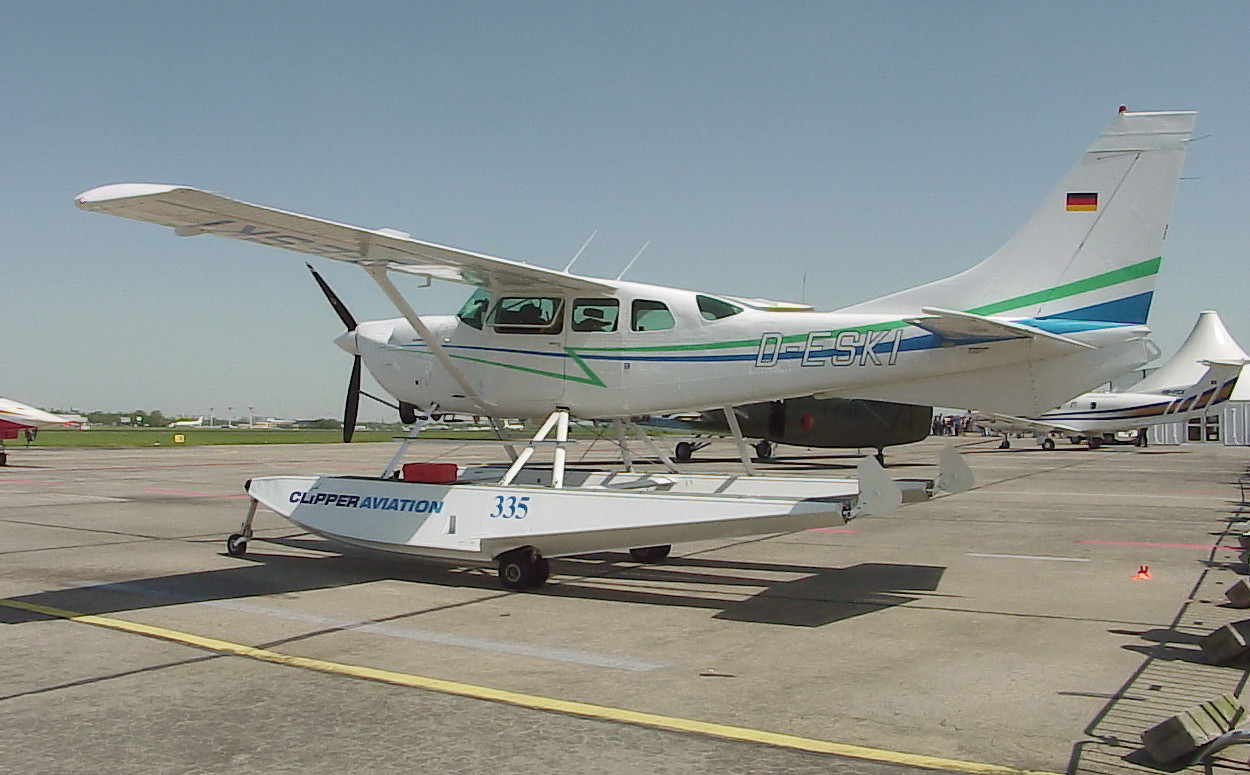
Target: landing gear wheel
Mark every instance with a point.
(522, 569)
(683, 452)
(1004, 444)
(1048, 444)
(4, 458)
(763, 450)
(1094, 442)
(650, 554)
(236, 545)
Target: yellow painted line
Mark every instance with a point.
(586, 710)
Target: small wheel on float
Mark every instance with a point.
(236, 545)
(683, 452)
(763, 450)
(522, 569)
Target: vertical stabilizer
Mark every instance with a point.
(1208, 341)
(1092, 250)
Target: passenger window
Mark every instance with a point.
(595, 314)
(473, 313)
(651, 316)
(528, 315)
(715, 309)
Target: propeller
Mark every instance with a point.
(352, 405)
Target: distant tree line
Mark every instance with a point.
(135, 419)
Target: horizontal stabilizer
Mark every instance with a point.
(967, 328)
(191, 212)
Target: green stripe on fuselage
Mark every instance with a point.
(1097, 282)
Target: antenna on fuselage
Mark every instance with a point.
(578, 254)
(632, 260)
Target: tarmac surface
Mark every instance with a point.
(1003, 629)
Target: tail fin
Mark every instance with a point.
(1215, 386)
(1092, 250)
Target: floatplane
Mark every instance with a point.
(1059, 309)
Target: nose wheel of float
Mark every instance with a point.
(236, 544)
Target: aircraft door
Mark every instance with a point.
(526, 353)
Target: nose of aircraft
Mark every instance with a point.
(347, 340)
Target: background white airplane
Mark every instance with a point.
(1199, 376)
(1060, 308)
(18, 418)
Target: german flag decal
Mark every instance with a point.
(1082, 202)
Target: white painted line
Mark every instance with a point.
(1139, 520)
(989, 490)
(588, 658)
(1028, 557)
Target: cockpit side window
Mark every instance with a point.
(651, 316)
(595, 314)
(528, 315)
(716, 309)
(473, 313)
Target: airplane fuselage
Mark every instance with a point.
(649, 349)
(17, 417)
(1112, 412)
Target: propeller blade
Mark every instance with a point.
(353, 401)
(334, 300)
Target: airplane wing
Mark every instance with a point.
(191, 211)
(968, 328)
(1029, 425)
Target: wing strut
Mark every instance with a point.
(378, 271)
(736, 430)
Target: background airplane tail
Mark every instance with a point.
(1092, 250)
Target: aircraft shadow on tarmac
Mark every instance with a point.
(821, 596)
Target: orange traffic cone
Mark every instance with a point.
(1143, 572)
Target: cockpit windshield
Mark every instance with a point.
(473, 313)
(712, 308)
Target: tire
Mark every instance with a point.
(522, 569)
(763, 450)
(683, 452)
(236, 545)
(650, 554)
(1094, 442)
(1004, 444)
(1048, 444)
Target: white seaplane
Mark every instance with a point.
(16, 417)
(1201, 375)
(1059, 309)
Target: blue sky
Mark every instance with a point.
(828, 152)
